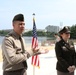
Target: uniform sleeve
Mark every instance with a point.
(10, 53)
(30, 51)
(74, 55)
(59, 56)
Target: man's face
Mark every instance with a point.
(19, 26)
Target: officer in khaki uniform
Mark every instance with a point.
(65, 53)
(14, 55)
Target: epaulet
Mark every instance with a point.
(8, 35)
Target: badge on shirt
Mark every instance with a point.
(71, 46)
(64, 48)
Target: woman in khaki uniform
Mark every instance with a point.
(65, 53)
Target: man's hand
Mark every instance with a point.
(43, 51)
(35, 49)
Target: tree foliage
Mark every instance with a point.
(73, 31)
(42, 33)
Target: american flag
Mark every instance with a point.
(35, 59)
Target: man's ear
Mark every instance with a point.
(13, 23)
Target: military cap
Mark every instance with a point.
(64, 30)
(56, 34)
(18, 17)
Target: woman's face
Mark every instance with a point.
(65, 36)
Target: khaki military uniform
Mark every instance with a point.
(12, 52)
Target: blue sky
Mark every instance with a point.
(48, 12)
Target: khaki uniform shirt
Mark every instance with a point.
(12, 52)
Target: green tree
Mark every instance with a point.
(73, 31)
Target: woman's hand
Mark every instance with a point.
(71, 68)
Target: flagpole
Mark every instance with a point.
(33, 65)
(35, 59)
(33, 15)
(33, 70)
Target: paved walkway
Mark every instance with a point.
(47, 65)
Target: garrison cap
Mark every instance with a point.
(56, 34)
(64, 30)
(18, 17)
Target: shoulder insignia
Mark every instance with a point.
(8, 35)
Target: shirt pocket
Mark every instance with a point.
(18, 50)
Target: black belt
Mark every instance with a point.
(15, 70)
